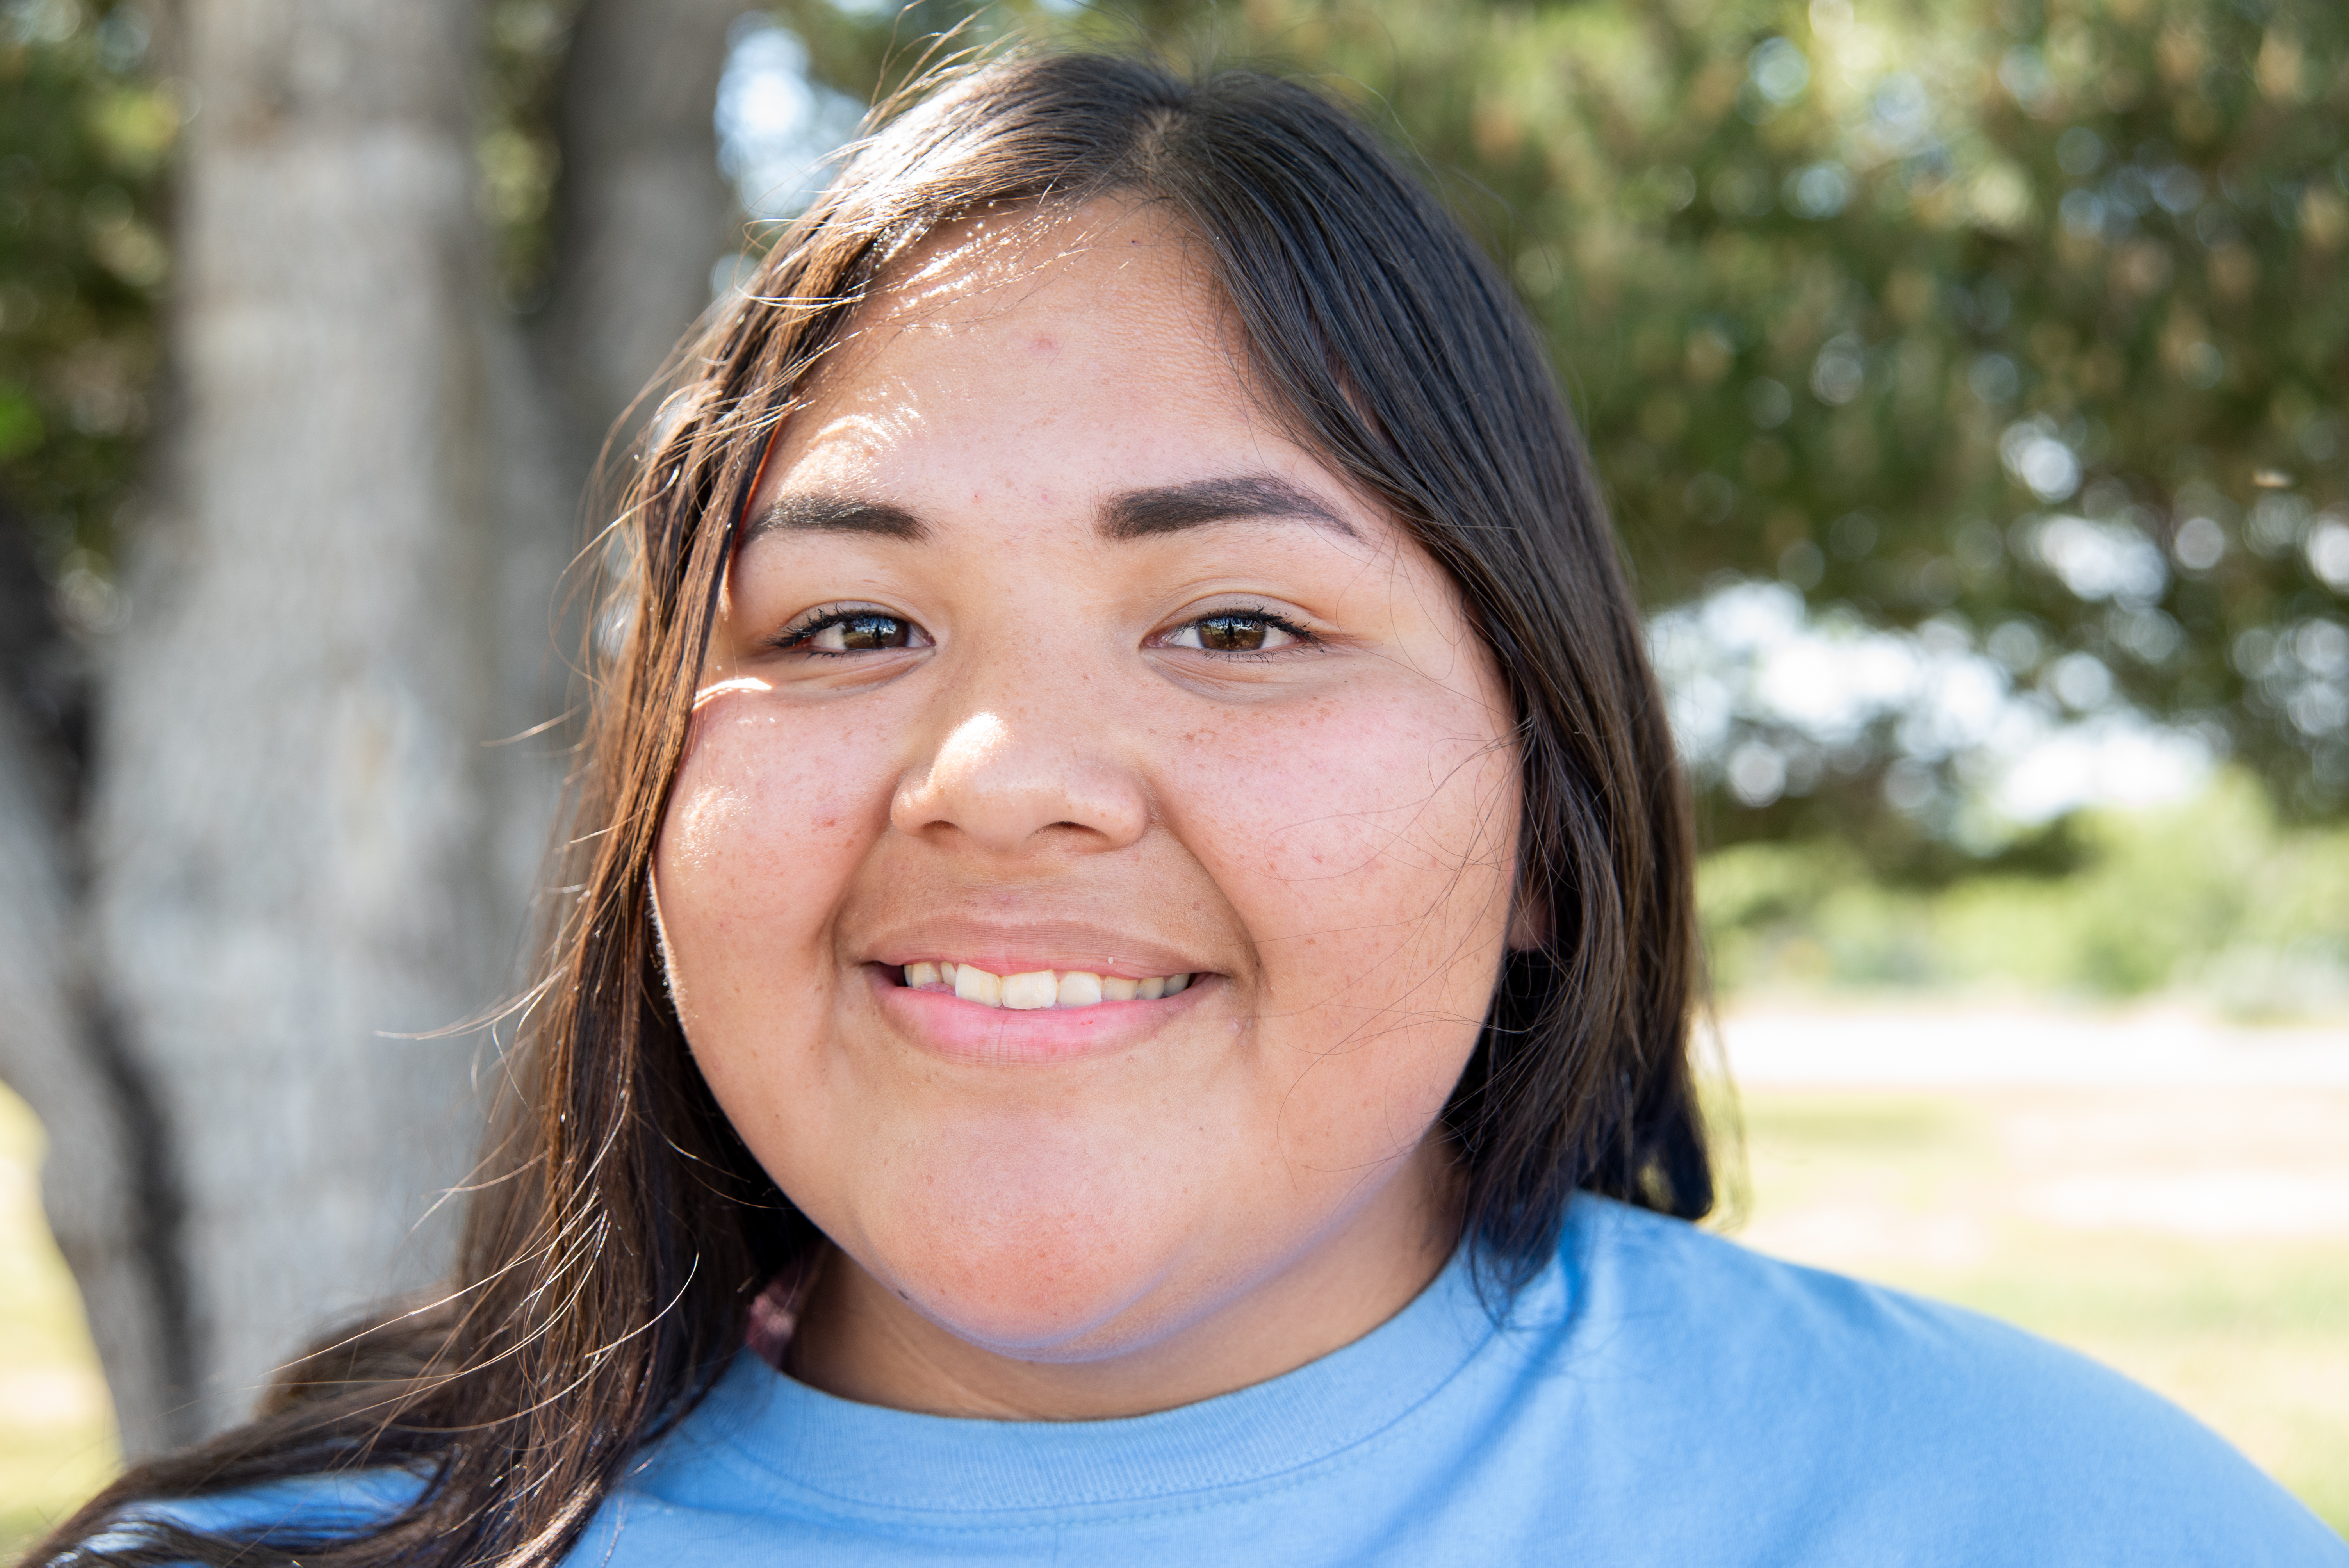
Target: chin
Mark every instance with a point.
(1037, 1269)
(1037, 1287)
(1041, 1238)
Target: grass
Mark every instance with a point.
(56, 1429)
(2069, 1212)
(2197, 1241)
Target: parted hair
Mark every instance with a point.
(620, 1230)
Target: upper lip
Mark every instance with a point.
(1022, 947)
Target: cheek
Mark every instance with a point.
(765, 828)
(1368, 844)
(1390, 812)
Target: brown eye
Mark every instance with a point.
(861, 632)
(1234, 634)
(874, 632)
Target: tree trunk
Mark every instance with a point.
(643, 214)
(307, 854)
(296, 825)
(106, 1181)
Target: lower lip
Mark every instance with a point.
(945, 1025)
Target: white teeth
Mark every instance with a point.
(1040, 988)
(1031, 991)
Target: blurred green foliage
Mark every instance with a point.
(85, 138)
(2212, 898)
(518, 160)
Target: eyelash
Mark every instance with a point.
(1304, 638)
(795, 637)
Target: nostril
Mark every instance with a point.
(1009, 792)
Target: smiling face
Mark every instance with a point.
(1046, 655)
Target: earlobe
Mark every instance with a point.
(660, 932)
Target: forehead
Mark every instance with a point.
(1097, 330)
(1126, 254)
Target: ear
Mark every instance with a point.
(660, 933)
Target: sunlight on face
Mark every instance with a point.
(1093, 858)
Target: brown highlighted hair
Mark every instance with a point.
(612, 1255)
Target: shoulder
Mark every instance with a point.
(1793, 1343)
(1878, 1410)
(297, 1512)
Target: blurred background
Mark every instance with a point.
(1968, 380)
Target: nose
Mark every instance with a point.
(1011, 779)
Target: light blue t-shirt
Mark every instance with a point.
(1656, 1395)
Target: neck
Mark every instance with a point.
(860, 1340)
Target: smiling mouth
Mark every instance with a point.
(1039, 987)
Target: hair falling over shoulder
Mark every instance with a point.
(619, 1231)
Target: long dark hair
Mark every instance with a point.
(611, 1256)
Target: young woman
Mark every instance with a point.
(1128, 999)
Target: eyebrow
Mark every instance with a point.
(1130, 514)
(1170, 508)
(814, 511)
